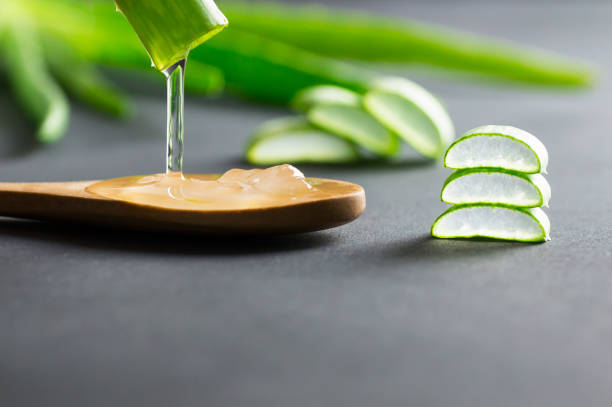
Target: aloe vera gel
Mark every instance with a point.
(168, 30)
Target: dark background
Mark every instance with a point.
(374, 313)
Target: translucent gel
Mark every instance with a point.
(236, 189)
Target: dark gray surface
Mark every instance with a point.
(374, 313)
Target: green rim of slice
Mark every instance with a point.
(413, 113)
(294, 140)
(516, 150)
(495, 186)
(356, 125)
(498, 222)
(307, 98)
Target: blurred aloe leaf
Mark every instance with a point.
(367, 37)
(37, 92)
(271, 52)
(82, 79)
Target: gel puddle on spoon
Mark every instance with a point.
(492, 222)
(236, 189)
(503, 147)
(496, 187)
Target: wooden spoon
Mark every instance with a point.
(69, 201)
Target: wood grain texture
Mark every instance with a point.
(70, 202)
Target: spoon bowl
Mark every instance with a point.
(71, 202)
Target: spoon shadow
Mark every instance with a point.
(115, 240)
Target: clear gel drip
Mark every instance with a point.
(175, 77)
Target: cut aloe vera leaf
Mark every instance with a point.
(169, 29)
(413, 113)
(493, 222)
(356, 125)
(482, 185)
(280, 125)
(305, 99)
(290, 141)
(504, 147)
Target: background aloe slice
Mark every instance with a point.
(325, 94)
(504, 147)
(494, 222)
(294, 140)
(412, 113)
(169, 29)
(355, 124)
(473, 186)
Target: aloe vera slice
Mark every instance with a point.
(493, 222)
(325, 94)
(169, 29)
(413, 113)
(482, 185)
(504, 147)
(356, 125)
(294, 140)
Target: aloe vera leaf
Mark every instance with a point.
(325, 95)
(83, 81)
(294, 140)
(255, 67)
(272, 71)
(38, 93)
(278, 126)
(413, 113)
(356, 125)
(170, 29)
(203, 79)
(361, 36)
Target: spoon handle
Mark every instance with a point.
(47, 200)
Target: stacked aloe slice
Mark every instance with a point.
(340, 125)
(497, 189)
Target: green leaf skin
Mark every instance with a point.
(170, 29)
(83, 80)
(356, 125)
(203, 79)
(537, 215)
(254, 67)
(535, 181)
(39, 95)
(270, 71)
(352, 35)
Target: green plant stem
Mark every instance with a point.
(39, 95)
(83, 80)
(360, 36)
(255, 67)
